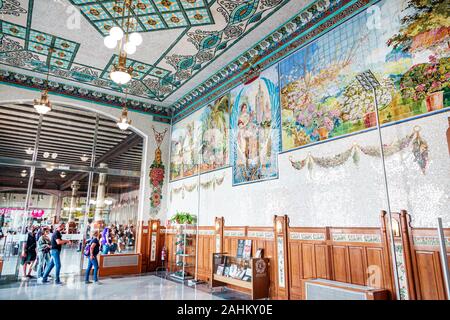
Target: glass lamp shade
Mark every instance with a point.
(124, 122)
(62, 174)
(84, 158)
(49, 169)
(136, 39)
(120, 76)
(130, 48)
(110, 42)
(43, 105)
(116, 33)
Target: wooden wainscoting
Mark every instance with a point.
(351, 255)
(427, 271)
(206, 246)
(309, 257)
(169, 241)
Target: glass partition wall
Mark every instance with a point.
(72, 166)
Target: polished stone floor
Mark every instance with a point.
(147, 287)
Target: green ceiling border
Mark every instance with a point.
(86, 100)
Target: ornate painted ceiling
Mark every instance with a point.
(191, 47)
(181, 37)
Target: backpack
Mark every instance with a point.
(87, 249)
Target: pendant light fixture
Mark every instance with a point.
(126, 42)
(123, 123)
(43, 105)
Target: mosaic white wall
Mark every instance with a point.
(346, 196)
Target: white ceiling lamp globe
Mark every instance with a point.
(116, 33)
(129, 48)
(136, 39)
(123, 124)
(120, 77)
(110, 42)
(42, 108)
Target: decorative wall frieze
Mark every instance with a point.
(307, 236)
(429, 241)
(352, 237)
(234, 233)
(261, 234)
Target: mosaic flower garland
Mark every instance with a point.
(213, 182)
(419, 151)
(157, 171)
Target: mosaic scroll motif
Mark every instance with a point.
(351, 237)
(11, 7)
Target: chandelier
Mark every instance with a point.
(43, 105)
(123, 123)
(126, 39)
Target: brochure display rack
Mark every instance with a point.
(247, 273)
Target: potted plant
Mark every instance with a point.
(426, 81)
(183, 218)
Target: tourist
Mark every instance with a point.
(29, 253)
(57, 242)
(94, 249)
(105, 241)
(44, 246)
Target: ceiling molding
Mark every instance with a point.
(27, 81)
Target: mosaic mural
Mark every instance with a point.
(202, 139)
(320, 96)
(255, 137)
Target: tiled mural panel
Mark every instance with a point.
(328, 182)
(349, 195)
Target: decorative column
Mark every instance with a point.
(281, 257)
(218, 232)
(73, 199)
(100, 201)
(153, 227)
(59, 202)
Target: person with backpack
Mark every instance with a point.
(91, 251)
